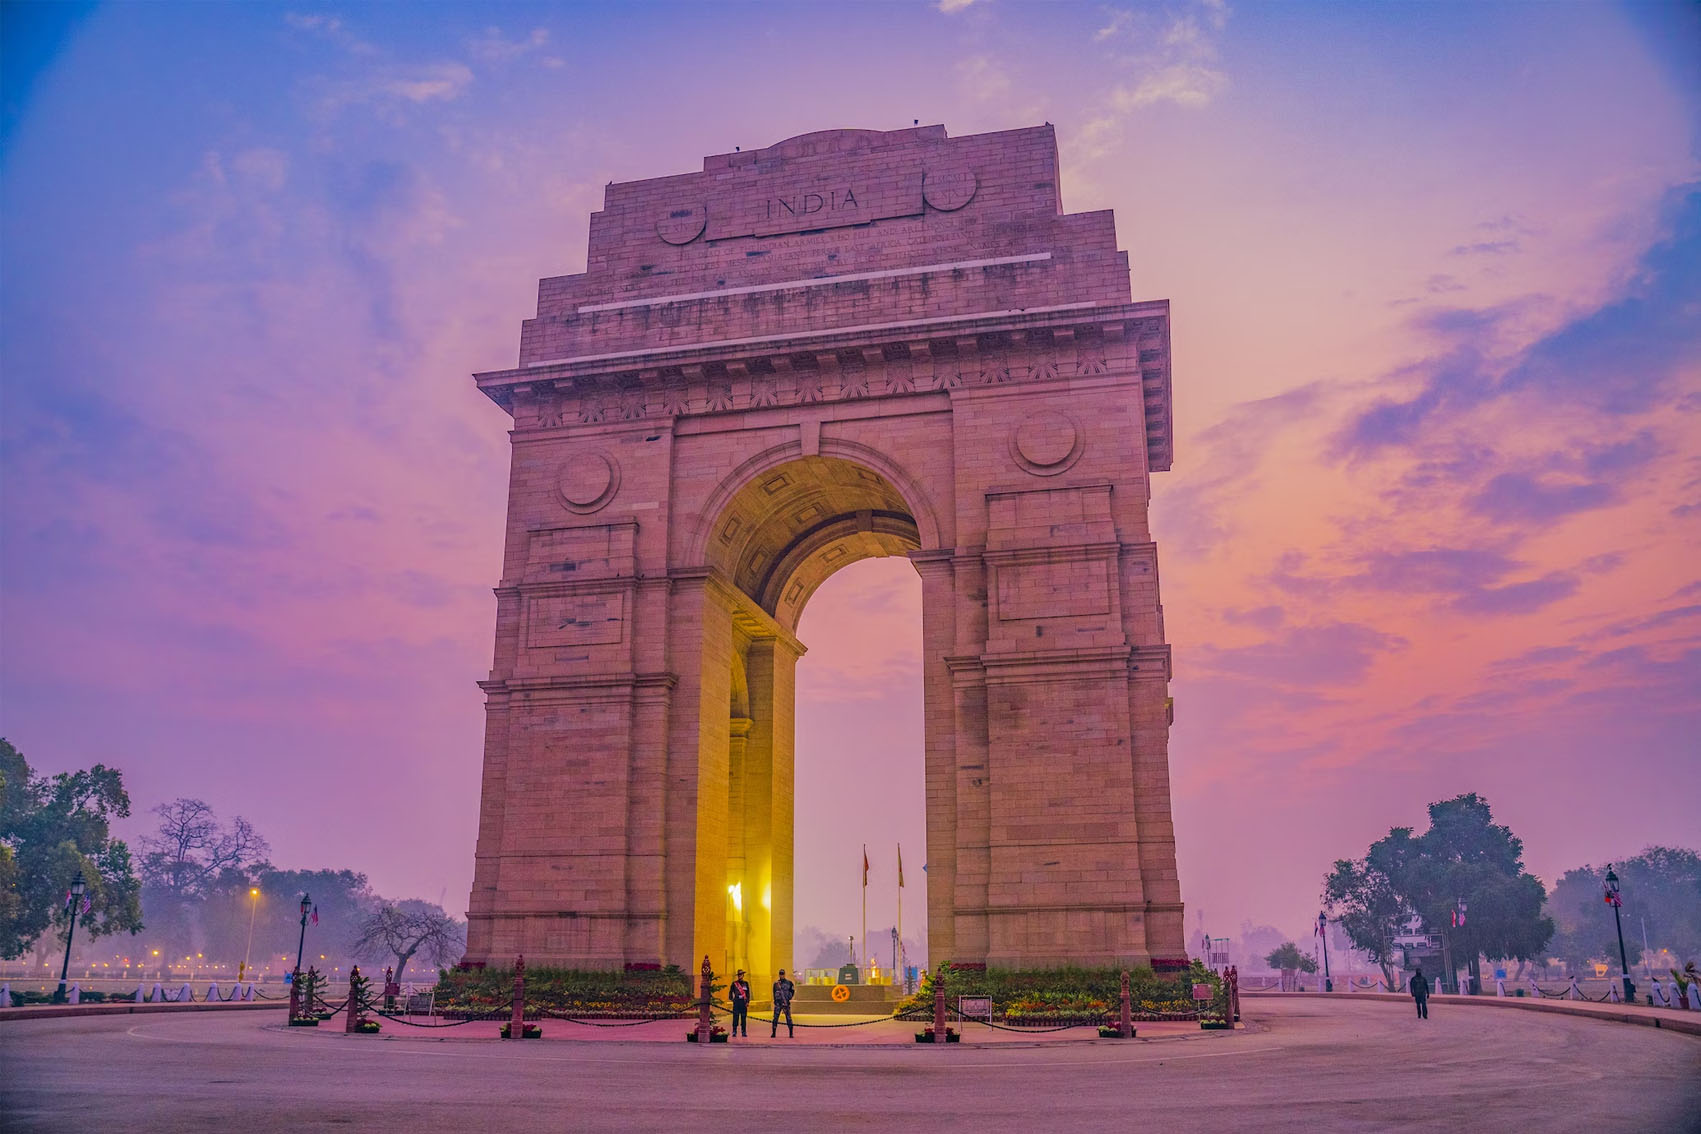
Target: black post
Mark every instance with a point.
(301, 942)
(1623, 958)
(77, 888)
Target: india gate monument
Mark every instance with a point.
(852, 343)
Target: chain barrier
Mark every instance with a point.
(915, 1017)
(771, 1019)
(554, 1015)
(1017, 1028)
(494, 1013)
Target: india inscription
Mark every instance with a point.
(850, 344)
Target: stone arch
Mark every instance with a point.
(959, 375)
(917, 498)
(790, 524)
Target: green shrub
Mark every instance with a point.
(1072, 993)
(590, 993)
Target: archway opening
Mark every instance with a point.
(859, 771)
(773, 543)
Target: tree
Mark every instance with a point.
(195, 873)
(191, 849)
(407, 929)
(342, 897)
(1367, 908)
(1290, 961)
(52, 827)
(1466, 857)
(1661, 887)
(1464, 865)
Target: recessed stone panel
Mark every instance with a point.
(1066, 589)
(575, 620)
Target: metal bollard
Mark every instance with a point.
(353, 1021)
(939, 1030)
(705, 1021)
(1127, 1008)
(517, 1022)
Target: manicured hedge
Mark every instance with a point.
(1073, 995)
(590, 993)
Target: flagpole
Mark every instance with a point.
(864, 907)
(898, 962)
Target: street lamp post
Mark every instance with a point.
(254, 907)
(1613, 900)
(1323, 932)
(301, 942)
(78, 885)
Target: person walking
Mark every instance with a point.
(784, 990)
(741, 1005)
(1420, 992)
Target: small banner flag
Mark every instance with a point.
(900, 865)
(315, 918)
(865, 866)
(88, 903)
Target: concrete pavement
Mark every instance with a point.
(1305, 1065)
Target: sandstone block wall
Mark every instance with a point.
(852, 343)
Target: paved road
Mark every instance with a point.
(1306, 1066)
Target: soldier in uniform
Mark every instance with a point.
(740, 992)
(784, 990)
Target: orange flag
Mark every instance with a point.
(900, 866)
(865, 866)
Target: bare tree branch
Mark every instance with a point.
(408, 930)
(191, 848)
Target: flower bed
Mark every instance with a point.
(632, 995)
(527, 1031)
(1073, 996)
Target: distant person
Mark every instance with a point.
(784, 990)
(1420, 992)
(741, 1005)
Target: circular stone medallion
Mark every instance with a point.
(949, 187)
(1046, 444)
(682, 224)
(587, 481)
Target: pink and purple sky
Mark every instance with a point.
(1435, 519)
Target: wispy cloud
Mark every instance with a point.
(1486, 248)
(1158, 58)
(424, 82)
(1174, 60)
(1188, 83)
(492, 46)
(1618, 360)
(982, 79)
(950, 6)
(329, 28)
